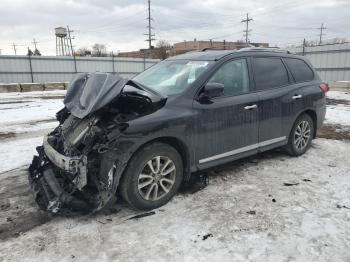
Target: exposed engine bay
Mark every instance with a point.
(76, 169)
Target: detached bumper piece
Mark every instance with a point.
(73, 165)
(57, 181)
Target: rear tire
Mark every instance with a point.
(152, 177)
(300, 137)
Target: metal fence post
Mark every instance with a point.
(75, 63)
(113, 62)
(30, 66)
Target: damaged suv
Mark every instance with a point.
(143, 137)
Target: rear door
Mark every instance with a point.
(307, 81)
(228, 126)
(279, 99)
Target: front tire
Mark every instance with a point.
(152, 176)
(300, 137)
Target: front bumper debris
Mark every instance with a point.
(57, 181)
(76, 165)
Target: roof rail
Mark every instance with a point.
(266, 49)
(217, 47)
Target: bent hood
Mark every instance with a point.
(90, 92)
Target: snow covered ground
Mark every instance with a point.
(24, 118)
(338, 112)
(25, 112)
(247, 213)
(339, 95)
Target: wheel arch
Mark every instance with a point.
(313, 116)
(311, 113)
(179, 146)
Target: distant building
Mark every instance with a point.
(186, 46)
(154, 53)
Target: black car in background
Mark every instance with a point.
(143, 137)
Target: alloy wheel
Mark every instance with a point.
(302, 135)
(156, 178)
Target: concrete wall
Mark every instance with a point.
(41, 69)
(29, 87)
(332, 62)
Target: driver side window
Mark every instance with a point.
(234, 76)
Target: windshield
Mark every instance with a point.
(172, 76)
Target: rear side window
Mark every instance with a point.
(299, 69)
(269, 72)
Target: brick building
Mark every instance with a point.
(186, 46)
(154, 53)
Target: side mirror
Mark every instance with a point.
(211, 90)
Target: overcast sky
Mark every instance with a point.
(120, 24)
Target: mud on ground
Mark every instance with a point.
(336, 132)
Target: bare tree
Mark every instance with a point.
(99, 50)
(30, 52)
(37, 52)
(83, 51)
(163, 47)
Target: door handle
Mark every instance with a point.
(296, 97)
(250, 107)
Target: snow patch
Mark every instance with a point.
(16, 153)
(338, 114)
(338, 95)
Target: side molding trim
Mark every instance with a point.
(242, 149)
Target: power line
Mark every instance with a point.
(150, 19)
(122, 23)
(246, 31)
(321, 32)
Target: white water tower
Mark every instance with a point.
(62, 45)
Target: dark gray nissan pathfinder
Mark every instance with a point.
(143, 137)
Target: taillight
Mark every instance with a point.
(324, 87)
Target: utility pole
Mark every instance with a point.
(30, 64)
(71, 49)
(321, 32)
(246, 31)
(35, 42)
(70, 40)
(304, 45)
(14, 48)
(149, 34)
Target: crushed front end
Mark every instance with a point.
(79, 165)
(67, 175)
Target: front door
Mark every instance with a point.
(228, 126)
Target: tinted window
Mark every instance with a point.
(234, 76)
(269, 72)
(299, 69)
